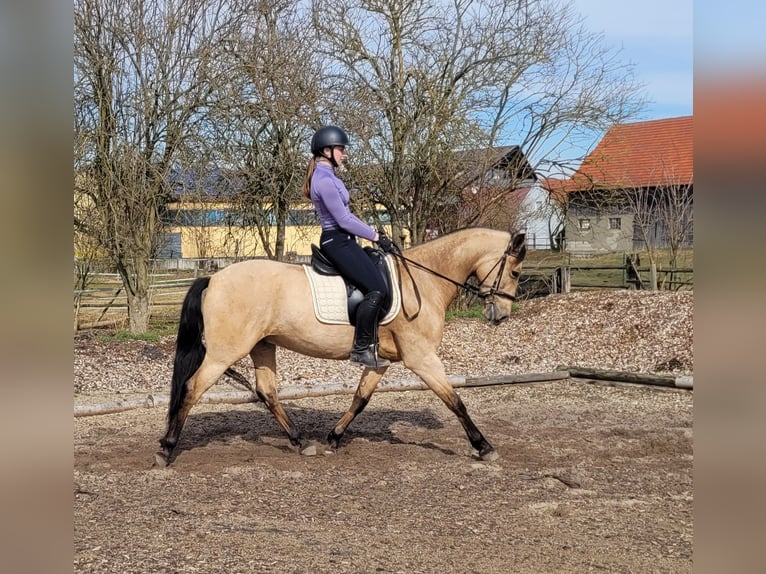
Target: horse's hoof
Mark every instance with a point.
(333, 441)
(489, 456)
(161, 460)
(310, 450)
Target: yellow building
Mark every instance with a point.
(213, 230)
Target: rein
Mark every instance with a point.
(493, 291)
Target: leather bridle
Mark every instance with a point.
(494, 290)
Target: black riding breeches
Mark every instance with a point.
(351, 260)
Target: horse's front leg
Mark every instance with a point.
(264, 356)
(431, 370)
(370, 379)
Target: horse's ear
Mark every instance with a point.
(519, 246)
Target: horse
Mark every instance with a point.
(253, 306)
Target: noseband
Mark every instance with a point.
(495, 291)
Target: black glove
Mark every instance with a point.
(385, 243)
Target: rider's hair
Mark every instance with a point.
(307, 182)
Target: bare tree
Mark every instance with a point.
(263, 125)
(555, 209)
(428, 78)
(485, 187)
(663, 216)
(144, 73)
(676, 215)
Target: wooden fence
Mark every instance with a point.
(539, 280)
(105, 303)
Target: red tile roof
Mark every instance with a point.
(556, 187)
(641, 154)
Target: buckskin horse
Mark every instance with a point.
(253, 306)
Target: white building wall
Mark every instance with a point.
(539, 215)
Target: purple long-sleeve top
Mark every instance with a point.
(331, 198)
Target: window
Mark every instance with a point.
(583, 223)
(302, 217)
(615, 223)
(381, 215)
(194, 217)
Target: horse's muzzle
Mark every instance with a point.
(494, 314)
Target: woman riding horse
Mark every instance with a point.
(254, 306)
(340, 228)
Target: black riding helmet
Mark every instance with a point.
(327, 136)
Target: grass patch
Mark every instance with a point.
(473, 312)
(547, 258)
(159, 327)
(127, 336)
(164, 326)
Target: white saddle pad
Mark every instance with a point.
(328, 293)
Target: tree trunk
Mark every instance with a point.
(138, 312)
(281, 216)
(134, 273)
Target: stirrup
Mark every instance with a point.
(369, 358)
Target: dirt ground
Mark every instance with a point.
(591, 478)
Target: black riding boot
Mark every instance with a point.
(365, 350)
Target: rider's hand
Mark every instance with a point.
(385, 243)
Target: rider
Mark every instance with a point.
(340, 228)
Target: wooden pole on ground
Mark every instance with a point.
(682, 382)
(295, 392)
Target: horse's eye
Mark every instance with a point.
(515, 274)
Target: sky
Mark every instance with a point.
(656, 36)
(730, 38)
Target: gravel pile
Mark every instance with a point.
(636, 331)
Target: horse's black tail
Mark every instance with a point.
(189, 348)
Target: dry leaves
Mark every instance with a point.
(636, 331)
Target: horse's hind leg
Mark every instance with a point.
(205, 377)
(370, 379)
(264, 356)
(431, 370)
